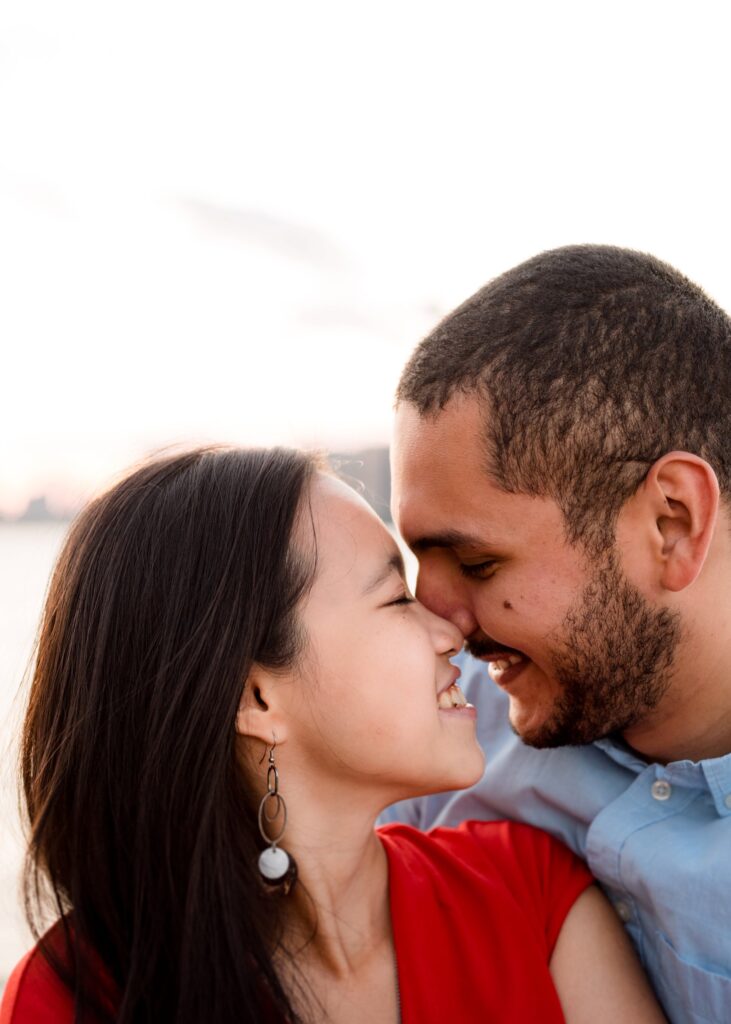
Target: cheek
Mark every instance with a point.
(498, 604)
(372, 684)
(541, 596)
(517, 615)
(373, 732)
(381, 701)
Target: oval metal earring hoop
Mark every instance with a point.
(276, 867)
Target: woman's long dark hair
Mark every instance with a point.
(143, 827)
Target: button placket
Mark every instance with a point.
(608, 844)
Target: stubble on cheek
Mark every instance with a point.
(612, 660)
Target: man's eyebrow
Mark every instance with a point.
(448, 539)
(394, 564)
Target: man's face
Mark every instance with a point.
(576, 646)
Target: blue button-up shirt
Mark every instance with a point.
(658, 838)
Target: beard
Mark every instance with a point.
(612, 657)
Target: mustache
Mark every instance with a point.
(483, 645)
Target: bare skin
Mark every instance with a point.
(357, 727)
(348, 968)
(498, 564)
(594, 967)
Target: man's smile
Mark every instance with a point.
(505, 663)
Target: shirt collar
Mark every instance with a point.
(713, 774)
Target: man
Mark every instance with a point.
(562, 470)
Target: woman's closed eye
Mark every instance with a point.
(404, 598)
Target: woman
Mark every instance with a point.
(232, 682)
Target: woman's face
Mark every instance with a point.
(377, 701)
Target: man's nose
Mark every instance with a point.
(446, 594)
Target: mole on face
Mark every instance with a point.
(507, 604)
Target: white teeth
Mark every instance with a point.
(452, 697)
(458, 697)
(445, 699)
(502, 663)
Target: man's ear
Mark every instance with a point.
(683, 495)
(260, 714)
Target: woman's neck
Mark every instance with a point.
(338, 913)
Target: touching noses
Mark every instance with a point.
(448, 638)
(448, 598)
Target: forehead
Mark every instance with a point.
(441, 483)
(349, 536)
(451, 439)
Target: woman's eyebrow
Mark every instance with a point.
(394, 564)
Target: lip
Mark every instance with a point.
(453, 677)
(466, 711)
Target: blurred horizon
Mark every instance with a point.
(367, 469)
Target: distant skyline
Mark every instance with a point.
(39, 510)
(233, 222)
(366, 469)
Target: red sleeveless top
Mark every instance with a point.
(476, 912)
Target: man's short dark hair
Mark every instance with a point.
(592, 362)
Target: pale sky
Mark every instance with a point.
(233, 221)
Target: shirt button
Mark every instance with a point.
(661, 789)
(624, 911)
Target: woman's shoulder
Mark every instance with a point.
(34, 993)
(500, 868)
(485, 901)
(37, 994)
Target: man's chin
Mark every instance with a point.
(534, 726)
(545, 729)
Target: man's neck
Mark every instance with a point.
(694, 725)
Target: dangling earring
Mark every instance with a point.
(276, 867)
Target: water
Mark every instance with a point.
(27, 554)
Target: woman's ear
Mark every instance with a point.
(260, 715)
(683, 493)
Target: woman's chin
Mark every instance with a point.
(466, 767)
(460, 775)
(471, 774)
